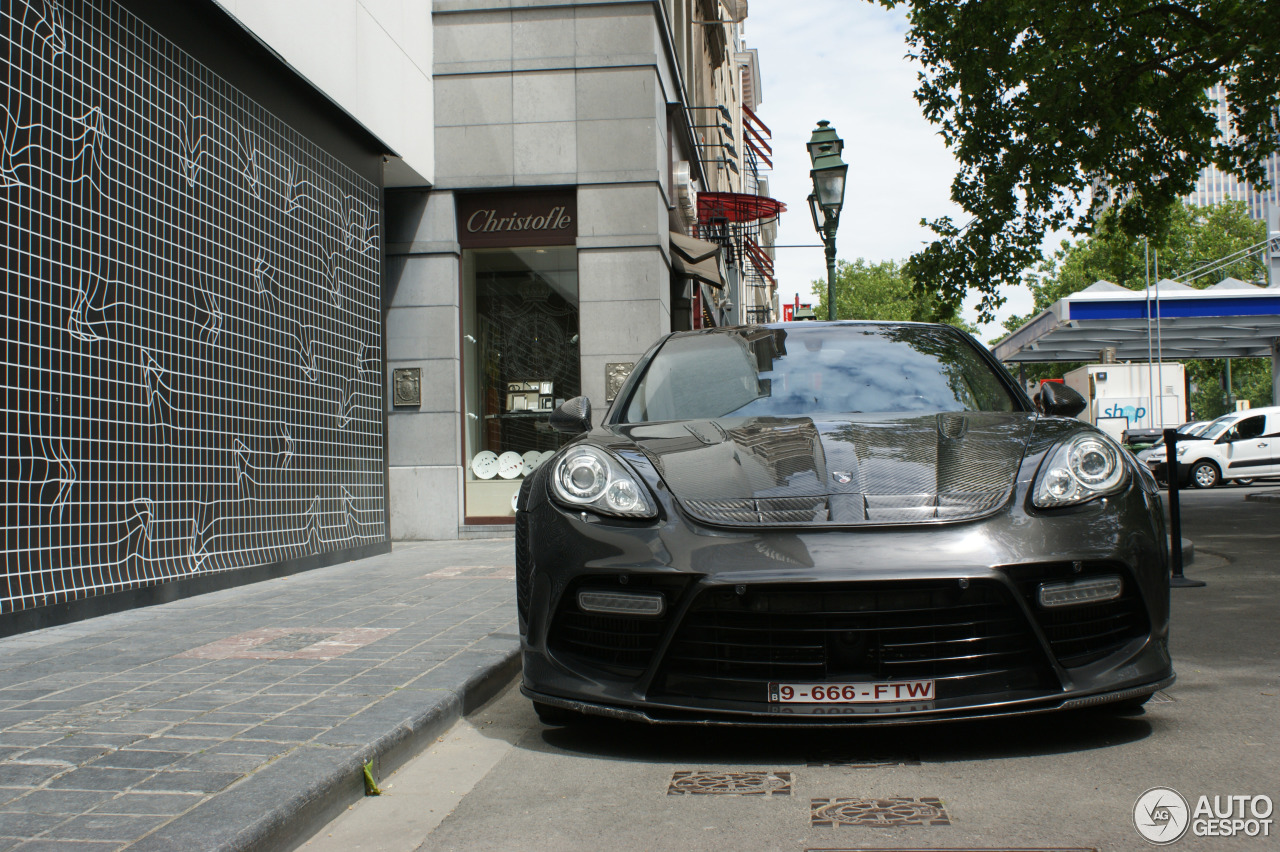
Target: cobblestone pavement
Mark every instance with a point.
(241, 719)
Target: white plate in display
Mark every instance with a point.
(485, 464)
(510, 465)
(532, 459)
(546, 455)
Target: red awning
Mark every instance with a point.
(736, 207)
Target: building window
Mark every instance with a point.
(520, 361)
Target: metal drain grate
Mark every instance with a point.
(730, 784)
(877, 813)
(1162, 697)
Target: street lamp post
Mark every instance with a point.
(827, 198)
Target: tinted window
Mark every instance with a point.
(816, 370)
(1250, 427)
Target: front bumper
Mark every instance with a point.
(952, 603)
(1160, 470)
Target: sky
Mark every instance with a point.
(845, 61)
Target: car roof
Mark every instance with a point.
(1249, 412)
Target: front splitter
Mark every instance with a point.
(776, 720)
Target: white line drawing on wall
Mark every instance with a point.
(196, 285)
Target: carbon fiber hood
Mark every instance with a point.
(869, 470)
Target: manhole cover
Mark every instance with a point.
(730, 783)
(877, 813)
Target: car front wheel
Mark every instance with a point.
(1204, 474)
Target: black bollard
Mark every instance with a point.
(1177, 580)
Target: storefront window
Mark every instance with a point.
(520, 361)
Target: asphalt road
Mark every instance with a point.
(501, 781)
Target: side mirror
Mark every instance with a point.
(1057, 400)
(573, 417)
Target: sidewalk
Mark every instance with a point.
(240, 719)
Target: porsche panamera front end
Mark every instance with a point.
(809, 547)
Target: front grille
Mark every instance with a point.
(970, 641)
(624, 645)
(1085, 633)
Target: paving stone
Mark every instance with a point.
(28, 774)
(100, 739)
(101, 826)
(245, 746)
(209, 761)
(149, 803)
(189, 745)
(136, 758)
(284, 733)
(177, 781)
(93, 778)
(205, 730)
(43, 845)
(159, 714)
(58, 801)
(60, 755)
(28, 824)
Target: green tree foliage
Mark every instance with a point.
(1055, 109)
(1195, 237)
(880, 291)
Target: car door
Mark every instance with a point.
(1248, 450)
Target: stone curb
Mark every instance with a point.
(326, 777)
(1262, 498)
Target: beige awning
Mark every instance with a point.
(696, 259)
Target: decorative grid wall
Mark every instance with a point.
(192, 319)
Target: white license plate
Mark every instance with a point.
(887, 692)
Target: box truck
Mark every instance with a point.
(1132, 398)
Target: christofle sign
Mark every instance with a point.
(533, 218)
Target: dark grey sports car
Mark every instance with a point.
(821, 523)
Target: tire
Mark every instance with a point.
(556, 717)
(1204, 474)
(1248, 480)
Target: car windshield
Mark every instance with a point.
(812, 370)
(1219, 426)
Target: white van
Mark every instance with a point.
(1242, 445)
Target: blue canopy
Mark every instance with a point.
(1231, 319)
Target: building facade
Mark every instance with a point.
(287, 280)
(193, 262)
(562, 236)
(1216, 186)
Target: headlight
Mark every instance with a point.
(594, 479)
(1078, 470)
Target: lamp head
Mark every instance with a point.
(824, 140)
